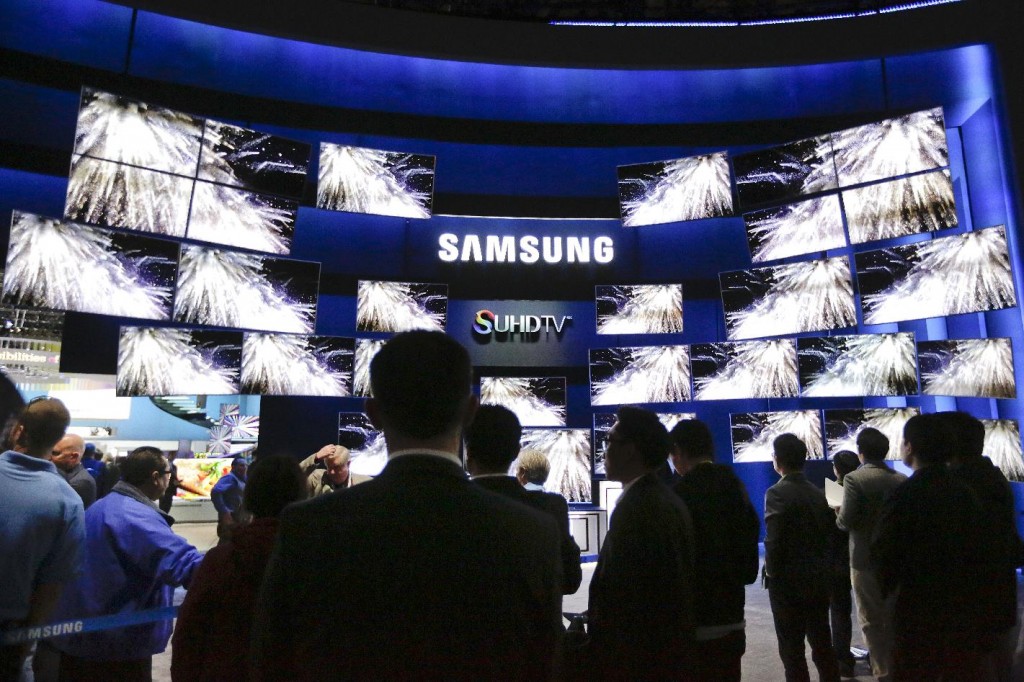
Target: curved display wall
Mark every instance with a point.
(781, 302)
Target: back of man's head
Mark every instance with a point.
(968, 435)
(421, 382)
(274, 482)
(492, 439)
(138, 467)
(845, 462)
(929, 439)
(790, 452)
(872, 444)
(42, 423)
(534, 466)
(693, 438)
(643, 428)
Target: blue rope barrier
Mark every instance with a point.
(70, 627)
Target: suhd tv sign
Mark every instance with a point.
(529, 327)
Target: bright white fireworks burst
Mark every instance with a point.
(844, 426)
(791, 169)
(395, 307)
(968, 367)
(802, 297)
(649, 374)
(684, 189)
(227, 147)
(226, 215)
(366, 349)
(796, 229)
(156, 361)
(965, 273)
(862, 365)
(568, 453)
(923, 203)
(283, 364)
(44, 269)
(896, 146)
(640, 309)
(521, 396)
(368, 450)
(363, 180)
(1002, 446)
(753, 433)
(749, 369)
(226, 289)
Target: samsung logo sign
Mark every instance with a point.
(487, 323)
(528, 249)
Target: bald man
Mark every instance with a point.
(334, 475)
(67, 457)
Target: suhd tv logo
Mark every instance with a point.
(487, 323)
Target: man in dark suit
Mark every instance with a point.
(925, 552)
(727, 532)
(641, 616)
(417, 574)
(798, 564)
(492, 443)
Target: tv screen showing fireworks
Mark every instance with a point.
(671, 191)
(744, 370)
(368, 453)
(646, 374)
(568, 453)
(898, 208)
(890, 148)
(858, 365)
(222, 288)
(603, 423)
(400, 306)
(135, 166)
(788, 299)
(754, 432)
(639, 308)
(291, 364)
(784, 172)
(1002, 446)
(795, 229)
(843, 426)
(361, 180)
(974, 368)
(366, 349)
(965, 273)
(160, 361)
(129, 275)
(536, 401)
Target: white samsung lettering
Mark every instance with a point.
(471, 249)
(449, 244)
(528, 249)
(502, 249)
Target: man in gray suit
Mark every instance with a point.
(864, 492)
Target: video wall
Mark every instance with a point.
(858, 271)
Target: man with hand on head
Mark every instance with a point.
(420, 573)
(335, 474)
(67, 456)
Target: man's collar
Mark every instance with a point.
(30, 462)
(451, 457)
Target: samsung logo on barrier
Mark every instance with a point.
(527, 249)
(487, 323)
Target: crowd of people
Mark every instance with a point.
(425, 572)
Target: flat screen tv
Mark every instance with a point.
(293, 364)
(964, 273)
(603, 423)
(671, 191)
(400, 306)
(753, 433)
(536, 401)
(236, 217)
(971, 368)
(365, 350)
(844, 425)
(744, 370)
(129, 275)
(899, 208)
(361, 180)
(891, 148)
(810, 226)
(223, 288)
(858, 365)
(252, 160)
(639, 308)
(788, 299)
(645, 374)
(568, 452)
(162, 361)
(1002, 446)
(368, 453)
(784, 172)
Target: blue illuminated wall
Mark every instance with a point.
(505, 136)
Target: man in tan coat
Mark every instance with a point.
(334, 475)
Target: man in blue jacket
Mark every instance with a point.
(133, 562)
(227, 498)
